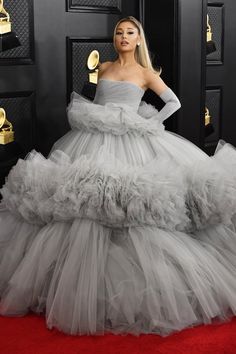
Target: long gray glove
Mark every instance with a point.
(172, 104)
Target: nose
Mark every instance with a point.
(124, 35)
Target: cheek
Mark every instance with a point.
(115, 41)
(135, 38)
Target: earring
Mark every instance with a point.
(138, 44)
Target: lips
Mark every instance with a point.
(124, 43)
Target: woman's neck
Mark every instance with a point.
(126, 59)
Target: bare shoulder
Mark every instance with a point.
(154, 82)
(105, 65)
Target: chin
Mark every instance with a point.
(125, 49)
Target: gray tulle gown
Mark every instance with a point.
(125, 228)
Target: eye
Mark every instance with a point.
(118, 33)
(130, 32)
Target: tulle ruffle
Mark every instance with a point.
(114, 118)
(160, 193)
(91, 279)
(43, 190)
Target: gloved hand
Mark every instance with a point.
(172, 104)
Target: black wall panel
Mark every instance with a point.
(220, 73)
(20, 111)
(18, 85)
(213, 103)
(160, 20)
(216, 20)
(22, 18)
(99, 6)
(78, 50)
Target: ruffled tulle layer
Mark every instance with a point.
(160, 193)
(89, 279)
(114, 118)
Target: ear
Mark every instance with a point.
(138, 40)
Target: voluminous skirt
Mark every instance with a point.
(126, 228)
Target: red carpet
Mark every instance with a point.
(28, 335)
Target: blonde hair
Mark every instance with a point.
(141, 52)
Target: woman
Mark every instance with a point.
(126, 227)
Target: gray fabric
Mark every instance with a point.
(118, 92)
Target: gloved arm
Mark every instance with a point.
(172, 104)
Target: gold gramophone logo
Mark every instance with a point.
(207, 116)
(210, 44)
(209, 30)
(92, 64)
(5, 24)
(6, 129)
(8, 38)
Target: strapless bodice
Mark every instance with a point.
(118, 92)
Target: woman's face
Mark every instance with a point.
(126, 37)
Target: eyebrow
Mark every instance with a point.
(127, 28)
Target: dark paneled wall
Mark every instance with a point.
(20, 108)
(175, 32)
(221, 74)
(160, 22)
(102, 6)
(177, 36)
(78, 52)
(191, 68)
(22, 18)
(17, 73)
